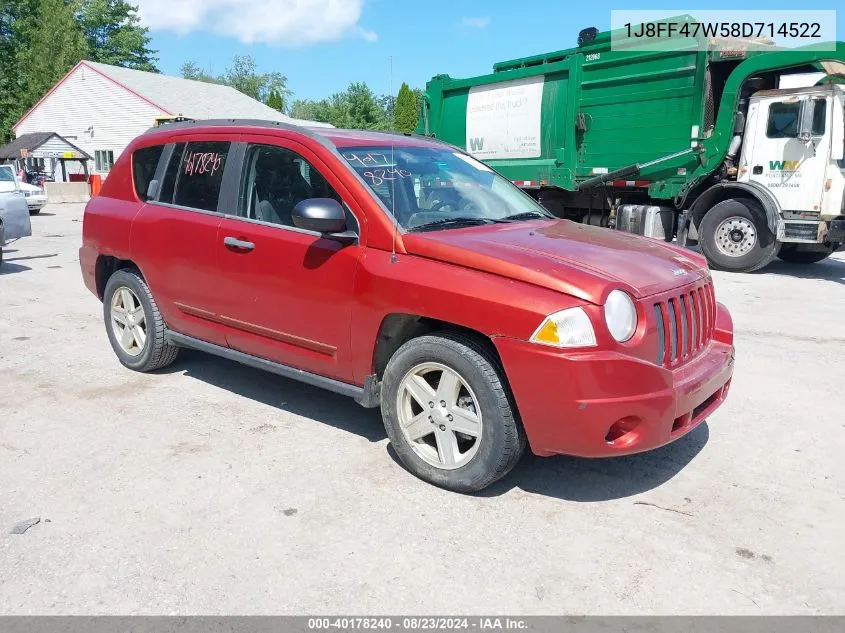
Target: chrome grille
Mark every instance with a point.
(685, 324)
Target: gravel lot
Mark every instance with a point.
(216, 489)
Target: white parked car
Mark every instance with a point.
(35, 197)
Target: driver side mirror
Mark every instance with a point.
(322, 215)
(805, 119)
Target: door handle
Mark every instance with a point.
(235, 244)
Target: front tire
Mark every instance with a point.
(34, 211)
(134, 325)
(797, 255)
(735, 236)
(448, 412)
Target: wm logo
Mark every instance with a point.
(476, 144)
(784, 165)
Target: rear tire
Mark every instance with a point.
(134, 325)
(734, 235)
(797, 255)
(419, 425)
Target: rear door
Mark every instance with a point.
(284, 293)
(174, 236)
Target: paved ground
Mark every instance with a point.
(213, 488)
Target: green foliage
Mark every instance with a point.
(406, 110)
(114, 34)
(41, 40)
(243, 76)
(356, 107)
(190, 70)
(275, 101)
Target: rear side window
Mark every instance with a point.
(144, 163)
(195, 174)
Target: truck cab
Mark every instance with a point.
(795, 149)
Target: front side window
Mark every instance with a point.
(275, 180)
(103, 160)
(429, 187)
(144, 163)
(195, 174)
(784, 119)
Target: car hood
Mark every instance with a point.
(25, 186)
(580, 260)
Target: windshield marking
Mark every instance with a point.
(369, 159)
(380, 175)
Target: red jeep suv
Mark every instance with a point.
(404, 273)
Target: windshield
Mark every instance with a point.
(6, 174)
(431, 188)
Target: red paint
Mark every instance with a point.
(318, 305)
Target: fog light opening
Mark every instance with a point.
(623, 432)
(681, 422)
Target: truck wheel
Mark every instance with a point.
(134, 324)
(734, 236)
(796, 255)
(449, 414)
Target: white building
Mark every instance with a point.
(100, 108)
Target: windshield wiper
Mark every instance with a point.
(454, 222)
(526, 215)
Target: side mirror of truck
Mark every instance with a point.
(805, 120)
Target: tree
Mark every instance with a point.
(41, 43)
(115, 35)
(362, 108)
(310, 110)
(387, 105)
(275, 101)
(243, 76)
(190, 70)
(406, 110)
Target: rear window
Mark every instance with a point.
(144, 163)
(195, 174)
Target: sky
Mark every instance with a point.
(323, 45)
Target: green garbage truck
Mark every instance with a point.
(703, 143)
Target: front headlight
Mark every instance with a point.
(620, 315)
(567, 328)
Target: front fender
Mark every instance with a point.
(723, 190)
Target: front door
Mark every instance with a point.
(791, 168)
(285, 293)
